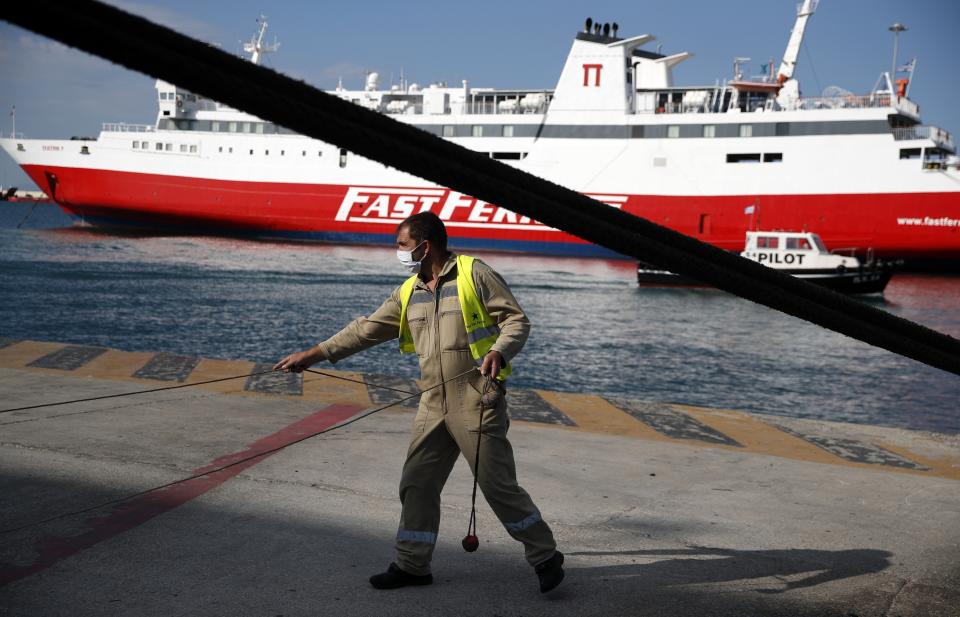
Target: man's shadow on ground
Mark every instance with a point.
(699, 564)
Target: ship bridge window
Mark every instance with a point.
(773, 157)
(746, 130)
(709, 130)
(448, 130)
(508, 130)
(753, 157)
(768, 242)
(909, 153)
(508, 156)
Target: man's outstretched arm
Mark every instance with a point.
(362, 333)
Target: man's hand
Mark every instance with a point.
(492, 363)
(298, 362)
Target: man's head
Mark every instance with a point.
(424, 226)
(424, 236)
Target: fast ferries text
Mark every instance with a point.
(365, 204)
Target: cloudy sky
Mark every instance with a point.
(60, 92)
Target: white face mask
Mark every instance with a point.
(406, 258)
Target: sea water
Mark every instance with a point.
(594, 330)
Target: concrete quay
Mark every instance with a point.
(660, 509)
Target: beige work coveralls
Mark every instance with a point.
(447, 418)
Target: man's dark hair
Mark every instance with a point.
(426, 226)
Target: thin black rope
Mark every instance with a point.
(234, 463)
(359, 381)
(194, 383)
(472, 524)
(103, 409)
(161, 389)
(155, 50)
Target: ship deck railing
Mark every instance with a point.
(934, 133)
(123, 127)
(750, 105)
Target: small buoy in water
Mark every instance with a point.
(470, 543)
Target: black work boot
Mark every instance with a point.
(550, 572)
(394, 577)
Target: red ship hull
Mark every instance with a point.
(895, 225)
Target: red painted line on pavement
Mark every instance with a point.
(130, 514)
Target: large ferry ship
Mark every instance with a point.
(713, 162)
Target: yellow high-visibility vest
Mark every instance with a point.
(482, 330)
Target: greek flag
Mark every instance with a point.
(908, 67)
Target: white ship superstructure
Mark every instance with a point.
(862, 171)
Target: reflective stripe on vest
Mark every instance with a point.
(482, 330)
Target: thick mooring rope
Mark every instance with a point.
(155, 50)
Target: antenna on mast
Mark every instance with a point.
(255, 46)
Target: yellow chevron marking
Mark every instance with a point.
(757, 436)
(217, 369)
(945, 466)
(19, 355)
(332, 390)
(594, 414)
(114, 365)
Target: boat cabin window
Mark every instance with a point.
(819, 244)
(799, 244)
(750, 157)
(768, 242)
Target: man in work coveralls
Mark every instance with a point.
(456, 313)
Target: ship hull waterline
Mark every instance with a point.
(912, 226)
